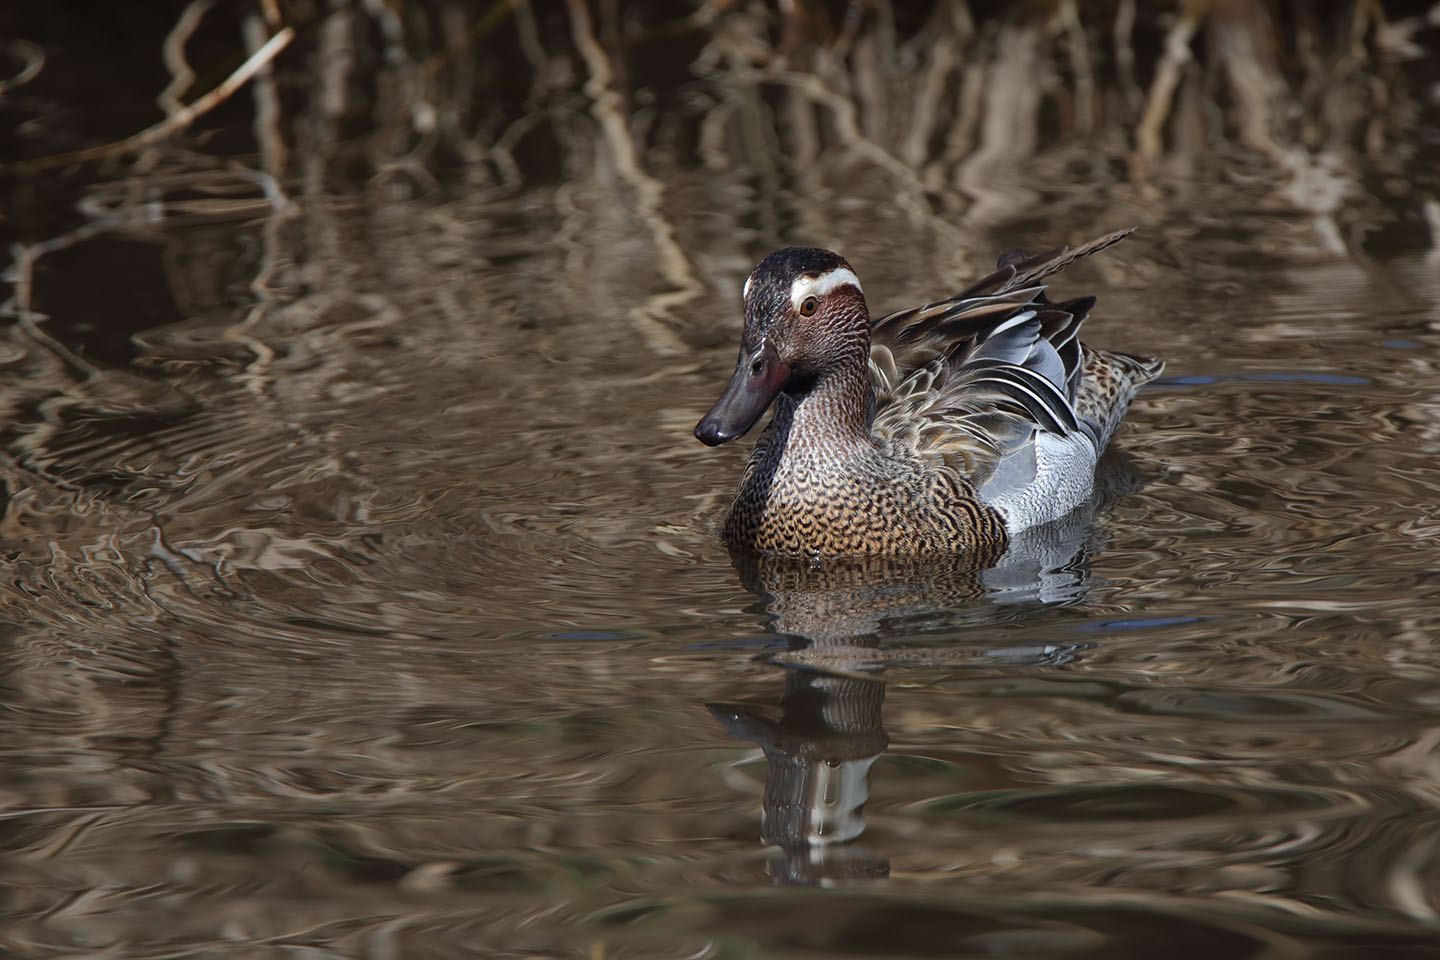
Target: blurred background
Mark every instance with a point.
(362, 593)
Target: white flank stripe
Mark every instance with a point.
(1014, 321)
(821, 285)
(1045, 403)
(745, 294)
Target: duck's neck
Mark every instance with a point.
(830, 416)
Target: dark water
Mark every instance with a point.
(361, 588)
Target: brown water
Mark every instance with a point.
(362, 594)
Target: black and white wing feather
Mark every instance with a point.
(971, 380)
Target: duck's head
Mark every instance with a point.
(804, 314)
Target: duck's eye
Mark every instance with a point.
(808, 306)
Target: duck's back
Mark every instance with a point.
(996, 384)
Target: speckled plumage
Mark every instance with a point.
(939, 428)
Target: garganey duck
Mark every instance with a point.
(943, 428)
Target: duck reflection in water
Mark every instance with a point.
(820, 750)
(839, 617)
(933, 456)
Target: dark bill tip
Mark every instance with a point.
(712, 431)
(756, 380)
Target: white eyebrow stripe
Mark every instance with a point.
(819, 286)
(745, 294)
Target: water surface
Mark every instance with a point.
(362, 590)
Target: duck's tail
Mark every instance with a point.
(1108, 382)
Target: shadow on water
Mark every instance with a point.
(362, 593)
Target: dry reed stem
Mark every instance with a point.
(33, 56)
(402, 106)
(943, 59)
(1148, 139)
(1124, 33)
(606, 106)
(847, 128)
(173, 54)
(1253, 85)
(255, 376)
(21, 276)
(1008, 130)
(267, 105)
(869, 90)
(971, 106)
(1068, 19)
(172, 124)
(334, 59)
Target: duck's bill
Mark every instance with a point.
(746, 398)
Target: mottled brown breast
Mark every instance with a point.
(800, 507)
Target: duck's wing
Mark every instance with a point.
(973, 379)
(1031, 270)
(995, 372)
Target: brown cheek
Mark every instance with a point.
(815, 335)
(805, 341)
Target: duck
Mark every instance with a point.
(944, 428)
